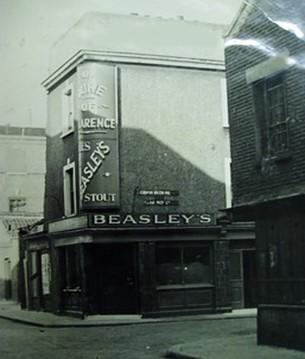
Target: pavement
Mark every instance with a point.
(12, 311)
(232, 347)
(242, 346)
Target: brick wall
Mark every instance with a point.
(280, 248)
(257, 40)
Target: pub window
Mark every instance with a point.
(183, 265)
(68, 110)
(271, 112)
(69, 189)
(17, 204)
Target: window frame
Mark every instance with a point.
(183, 264)
(19, 207)
(68, 110)
(269, 131)
(69, 184)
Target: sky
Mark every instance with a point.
(28, 29)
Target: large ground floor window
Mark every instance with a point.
(182, 264)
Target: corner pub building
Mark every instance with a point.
(137, 169)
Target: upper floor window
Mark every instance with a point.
(17, 204)
(69, 189)
(68, 110)
(271, 112)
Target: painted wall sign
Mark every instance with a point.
(98, 137)
(151, 220)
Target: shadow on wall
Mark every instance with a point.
(146, 163)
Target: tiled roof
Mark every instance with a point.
(13, 222)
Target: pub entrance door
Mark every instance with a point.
(112, 280)
(243, 282)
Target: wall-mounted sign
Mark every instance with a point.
(157, 192)
(151, 220)
(45, 273)
(159, 197)
(160, 202)
(98, 137)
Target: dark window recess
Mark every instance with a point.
(72, 278)
(181, 265)
(271, 115)
(70, 206)
(17, 204)
(71, 191)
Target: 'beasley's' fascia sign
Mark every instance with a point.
(151, 220)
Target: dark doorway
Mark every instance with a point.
(249, 279)
(112, 279)
(237, 283)
(243, 278)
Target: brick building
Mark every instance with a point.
(266, 88)
(138, 166)
(22, 171)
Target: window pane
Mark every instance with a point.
(271, 114)
(196, 265)
(276, 109)
(168, 265)
(17, 204)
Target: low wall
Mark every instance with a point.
(281, 325)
